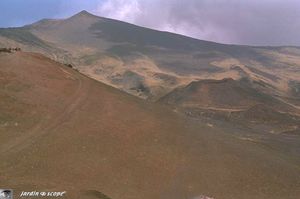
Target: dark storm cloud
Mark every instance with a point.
(255, 22)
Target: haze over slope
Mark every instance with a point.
(149, 63)
(64, 131)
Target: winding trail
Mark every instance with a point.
(46, 125)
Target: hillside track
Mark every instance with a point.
(50, 121)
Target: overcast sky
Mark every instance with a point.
(254, 22)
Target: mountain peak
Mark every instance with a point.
(84, 13)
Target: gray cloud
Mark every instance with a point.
(254, 22)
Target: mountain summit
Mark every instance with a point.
(85, 13)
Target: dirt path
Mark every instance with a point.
(216, 108)
(46, 125)
(288, 103)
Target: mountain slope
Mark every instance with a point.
(108, 50)
(224, 94)
(66, 132)
(243, 101)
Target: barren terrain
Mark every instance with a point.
(65, 131)
(105, 109)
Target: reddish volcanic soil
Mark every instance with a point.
(62, 131)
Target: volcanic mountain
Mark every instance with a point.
(149, 63)
(220, 120)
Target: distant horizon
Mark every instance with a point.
(251, 23)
